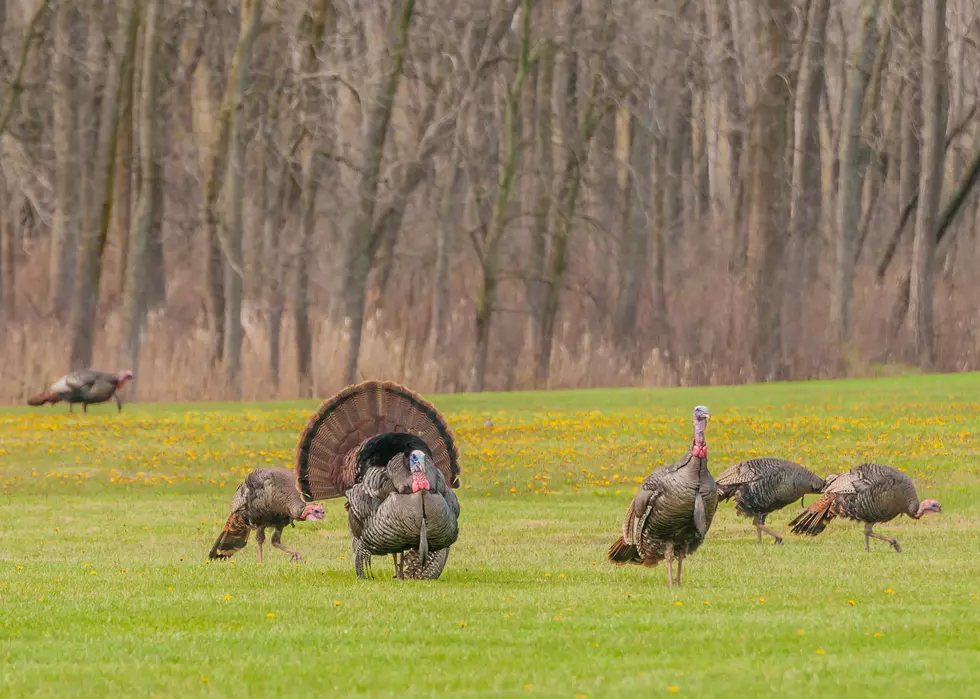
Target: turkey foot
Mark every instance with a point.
(868, 535)
(293, 554)
(760, 526)
(399, 559)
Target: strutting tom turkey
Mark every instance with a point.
(672, 511)
(268, 497)
(85, 386)
(869, 493)
(762, 486)
(391, 453)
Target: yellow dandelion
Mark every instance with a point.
(706, 603)
(227, 597)
(92, 572)
(462, 624)
(678, 603)
(20, 567)
(204, 680)
(673, 688)
(762, 600)
(879, 635)
(802, 632)
(336, 603)
(270, 615)
(851, 602)
(40, 599)
(890, 591)
(820, 651)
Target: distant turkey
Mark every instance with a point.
(391, 453)
(762, 486)
(869, 493)
(266, 498)
(85, 386)
(672, 511)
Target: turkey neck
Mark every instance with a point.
(699, 448)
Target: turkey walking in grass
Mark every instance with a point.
(391, 453)
(762, 486)
(869, 493)
(268, 497)
(670, 515)
(85, 386)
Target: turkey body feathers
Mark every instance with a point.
(761, 486)
(869, 493)
(268, 497)
(672, 511)
(85, 386)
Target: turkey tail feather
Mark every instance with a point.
(232, 538)
(725, 491)
(42, 398)
(621, 552)
(815, 518)
(326, 463)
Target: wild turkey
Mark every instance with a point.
(672, 511)
(391, 453)
(85, 386)
(869, 493)
(762, 486)
(268, 497)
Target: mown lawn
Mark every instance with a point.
(106, 520)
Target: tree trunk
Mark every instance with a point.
(768, 213)
(33, 36)
(448, 220)
(363, 242)
(251, 18)
(64, 229)
(633, 258)
(123, 206)
(853, 162)
(934, 108)
(507, 173)
(134, 306)
(542, 195)
(94, 241)
(805, 202)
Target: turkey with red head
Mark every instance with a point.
(85, 386)
(672, 511)
(394, 457)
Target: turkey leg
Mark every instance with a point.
(293, 554)
(760, 526)
(85, 408)
(680, 563)
(669, 558)
(399, 565)
(259, 540)
(118, 402)
(868, 535)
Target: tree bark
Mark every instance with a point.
(64, 229)
(934, 109)
(768, 212)
(134, 305)
(33, 35)
(363, 242)
(507, 173)
(805, 201)
(94, 241)
(251, 18)
(853, 162)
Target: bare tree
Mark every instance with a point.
(134, 304)
(934, 110)
(238, 76)
(97, 225)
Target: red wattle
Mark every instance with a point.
(419, 482)
(699, 450)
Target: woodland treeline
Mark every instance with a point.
(267, 198)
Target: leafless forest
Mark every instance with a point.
(263, 199)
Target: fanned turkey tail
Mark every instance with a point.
(327, 454)
(232, 538)
(816, 517)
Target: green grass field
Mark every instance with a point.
(106, 521)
